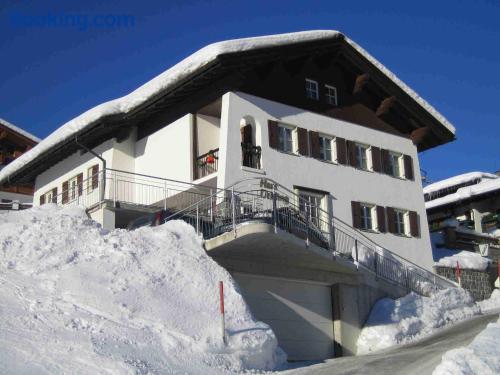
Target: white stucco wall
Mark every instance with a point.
(208, 133)
(345, 183)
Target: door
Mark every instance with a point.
(299, 312)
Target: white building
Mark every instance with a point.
(306, 128)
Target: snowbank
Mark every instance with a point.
(411, 317)
(466, 260)
(75, 298)
(457, 180)
(492, 303)
(481, 356)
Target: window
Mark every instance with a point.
(73, 188)
(331, 95)
(285, 138)
(395, 161)
(91, 179)
(325, 148)
(312, 89)
(310, 206)
(401, 218)
(367, 217)
(362, 156)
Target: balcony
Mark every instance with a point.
(251, 155)
(207, 163)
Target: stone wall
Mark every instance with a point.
(479, 283)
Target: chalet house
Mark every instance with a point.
(13, 143)
(294, 155)
(465, 209)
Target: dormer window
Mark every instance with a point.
(331, 95)
(312, 91)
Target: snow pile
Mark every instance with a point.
(481, 356)
(466, 260)
(492, 303)
(411, 317)
(75, 298)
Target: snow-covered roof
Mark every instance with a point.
(457, 180)
(485, 186)
(19, 130)
(184, 69)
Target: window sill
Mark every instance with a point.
(369, 231)
(333, 162)
(289, 153)
(253, 170)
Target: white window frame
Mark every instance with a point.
(312, 89)
(90, 189)
(371, 209)
(48, 196)
(396, 159)
(331, 95)
(405, 222)
(73, 188)
(317, 220)
(367, 157)
(333, 147)
(292, 142)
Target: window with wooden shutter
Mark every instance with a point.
(341, 150)
(54, 195)
(391, 219)
(351, 153)
(314, 136)
(408, 163)
(376, 159)
(303, 141)
(381, 219)
(272, 127)
(79, 180)
(246, 134)
(356, 214)
(414, 227)
(385, 162)
(95, 176)
(65, 192)
(42, 200)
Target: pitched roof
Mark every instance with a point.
(19, 130)
(187, 68)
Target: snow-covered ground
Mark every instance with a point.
(480, 357)
(75, 298)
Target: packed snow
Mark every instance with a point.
(492, 303)
(411, 317)
(184, 69)
(77, 299)
(457, 180)
(466, 260)
(480, 357)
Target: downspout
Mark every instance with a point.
(103, 190)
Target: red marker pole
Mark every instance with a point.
(221, 303)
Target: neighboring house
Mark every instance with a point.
(466, 210)
(295, 155)
(13, 143)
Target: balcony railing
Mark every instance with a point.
(251, 155)
(207, 163)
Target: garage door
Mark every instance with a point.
(300, 313)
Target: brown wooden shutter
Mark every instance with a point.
(414, 227)
(376, 159)
(341, 150)
(42, 200)
(79, 181)
(303, 141)
(272, 127)
(65, 192)
(385, 164)
(381, 219)
(356, 214)
(246, 134)
(314, 136)
(391, 220)
(54, 195)
(351, 152)
(408, 163)
(95, 176)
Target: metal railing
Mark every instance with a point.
(207, 163)
(268, 202)
(251, 155)
(14, 206)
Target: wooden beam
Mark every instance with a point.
(3, 134)
(419, 135)
(385, 106)
(360, 83)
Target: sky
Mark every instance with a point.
(60, 58)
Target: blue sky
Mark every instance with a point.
(446, 50)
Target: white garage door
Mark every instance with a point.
(299, 313)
